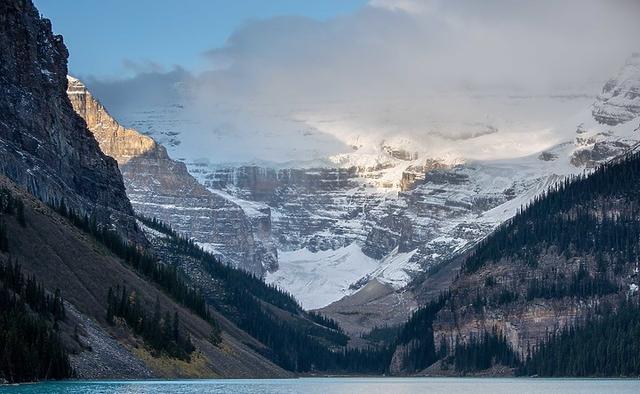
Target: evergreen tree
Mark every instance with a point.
(30, 347)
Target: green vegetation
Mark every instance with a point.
(300, 342)
(4, 241)
(383, 335)
(168, 277)
(608, 345)
(581, 216)
(9, 205)
(161, 332)
(581, 285)
(238, 278)
(483, 352)
(417, 335)
(30, 347)
(324, 321)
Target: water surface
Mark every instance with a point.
(335, 385)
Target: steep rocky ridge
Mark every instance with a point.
(163, 188)
(44, 145)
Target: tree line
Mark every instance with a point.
(594, 215)
(161, 332)
(168, 277)
(606, 345)
(307, 342)
(9, 205)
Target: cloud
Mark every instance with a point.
(431, 72)
(142, 67)
(150, 87)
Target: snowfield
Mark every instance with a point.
(318, 279)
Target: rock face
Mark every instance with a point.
(294, 197)
(163, 188)
(44, 145)
(619, 101)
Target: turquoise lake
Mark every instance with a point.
(335, 385)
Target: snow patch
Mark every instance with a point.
(320, 278)
(396, 268)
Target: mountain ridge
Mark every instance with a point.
(163, 188)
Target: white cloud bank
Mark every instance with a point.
(448, 77)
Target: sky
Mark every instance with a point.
(292, 80)
(116, 38)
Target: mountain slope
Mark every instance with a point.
(161, 187)
(567, 259)
(461, 204)
(90, 243)
(64, 257)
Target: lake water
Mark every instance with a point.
(335, 385)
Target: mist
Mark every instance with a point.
(449, 78)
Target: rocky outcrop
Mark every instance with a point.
(619, 101)
(44, 145)
(163, 188)
(314, 208)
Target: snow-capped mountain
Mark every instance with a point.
(390, 209)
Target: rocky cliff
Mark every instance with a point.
(47, 155)
(44, 145)
(163, 188)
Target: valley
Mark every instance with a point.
(481, 231)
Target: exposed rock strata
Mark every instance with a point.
(163, 188)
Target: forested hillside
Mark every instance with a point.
(107, 341)
(551, 292)
(295, 339)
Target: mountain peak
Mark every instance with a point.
(619, 101)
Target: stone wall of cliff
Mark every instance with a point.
(44, 145)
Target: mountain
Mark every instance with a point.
(379, 217)
(619, 101)
(90, 289)
(465, 202)
(163, 188)
(70, 245)
(560, 277)
(548, 288)
(44, 144)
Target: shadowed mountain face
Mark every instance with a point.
(163, 188)
(47, 155)
(44, 145)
